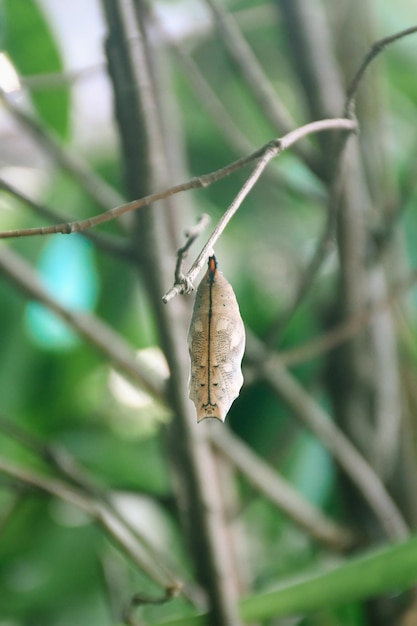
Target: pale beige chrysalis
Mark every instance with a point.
(216, 341)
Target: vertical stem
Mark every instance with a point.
(143, 143)
(356, 372)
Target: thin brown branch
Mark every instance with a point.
(271, 150)
(357, 398)
(146, 142)
(195, 183)
(308, 276)
(186, 283)
(191, 236)
(368, 483)
(68, 467)
(347, 329)
(375, 50)
(91, 328)
(394, 208)
(309, 36)
(209, 99)
(269, 483)
(46, 80)
(250, 68)
(224, 122)
(110, 243)
(97, 512)
(103, 193)
(276, 330)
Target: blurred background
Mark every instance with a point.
(317, 242)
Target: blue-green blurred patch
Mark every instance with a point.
(312, 471)
(67, 270)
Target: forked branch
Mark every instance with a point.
(374, 51)
(197, 182)
(268, 152)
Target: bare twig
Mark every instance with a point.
(191, 236)
(226, 124)
(110, 243)
(309, 41)
(13, 430)
(271, 150)
(97, 512)
(146, 141)
(197, 182)
(357, 398)
(186, 283)
(347, 329)
(208, 98)
(375, 50)
(394, 209)
(61, 460)
(88, 326)
(47, 80)
(322, 96)
(250, 68)
(307, 278)
(274, 333)
(103, 193)
(268, 482)
(316, 419)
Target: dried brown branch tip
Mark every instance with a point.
(216, 341)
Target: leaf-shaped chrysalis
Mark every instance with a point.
(216, 341)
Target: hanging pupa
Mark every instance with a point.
(216, 341)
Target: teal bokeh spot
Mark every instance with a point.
(313, 473)
(67, 270)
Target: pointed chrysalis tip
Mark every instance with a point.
(201, 418)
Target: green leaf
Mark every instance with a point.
(29, 41)
(392, 568)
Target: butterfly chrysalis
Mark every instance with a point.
(216, 341)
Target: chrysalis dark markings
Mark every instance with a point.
(216, 341)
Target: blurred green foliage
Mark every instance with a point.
(32, 47)
(56, 567)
